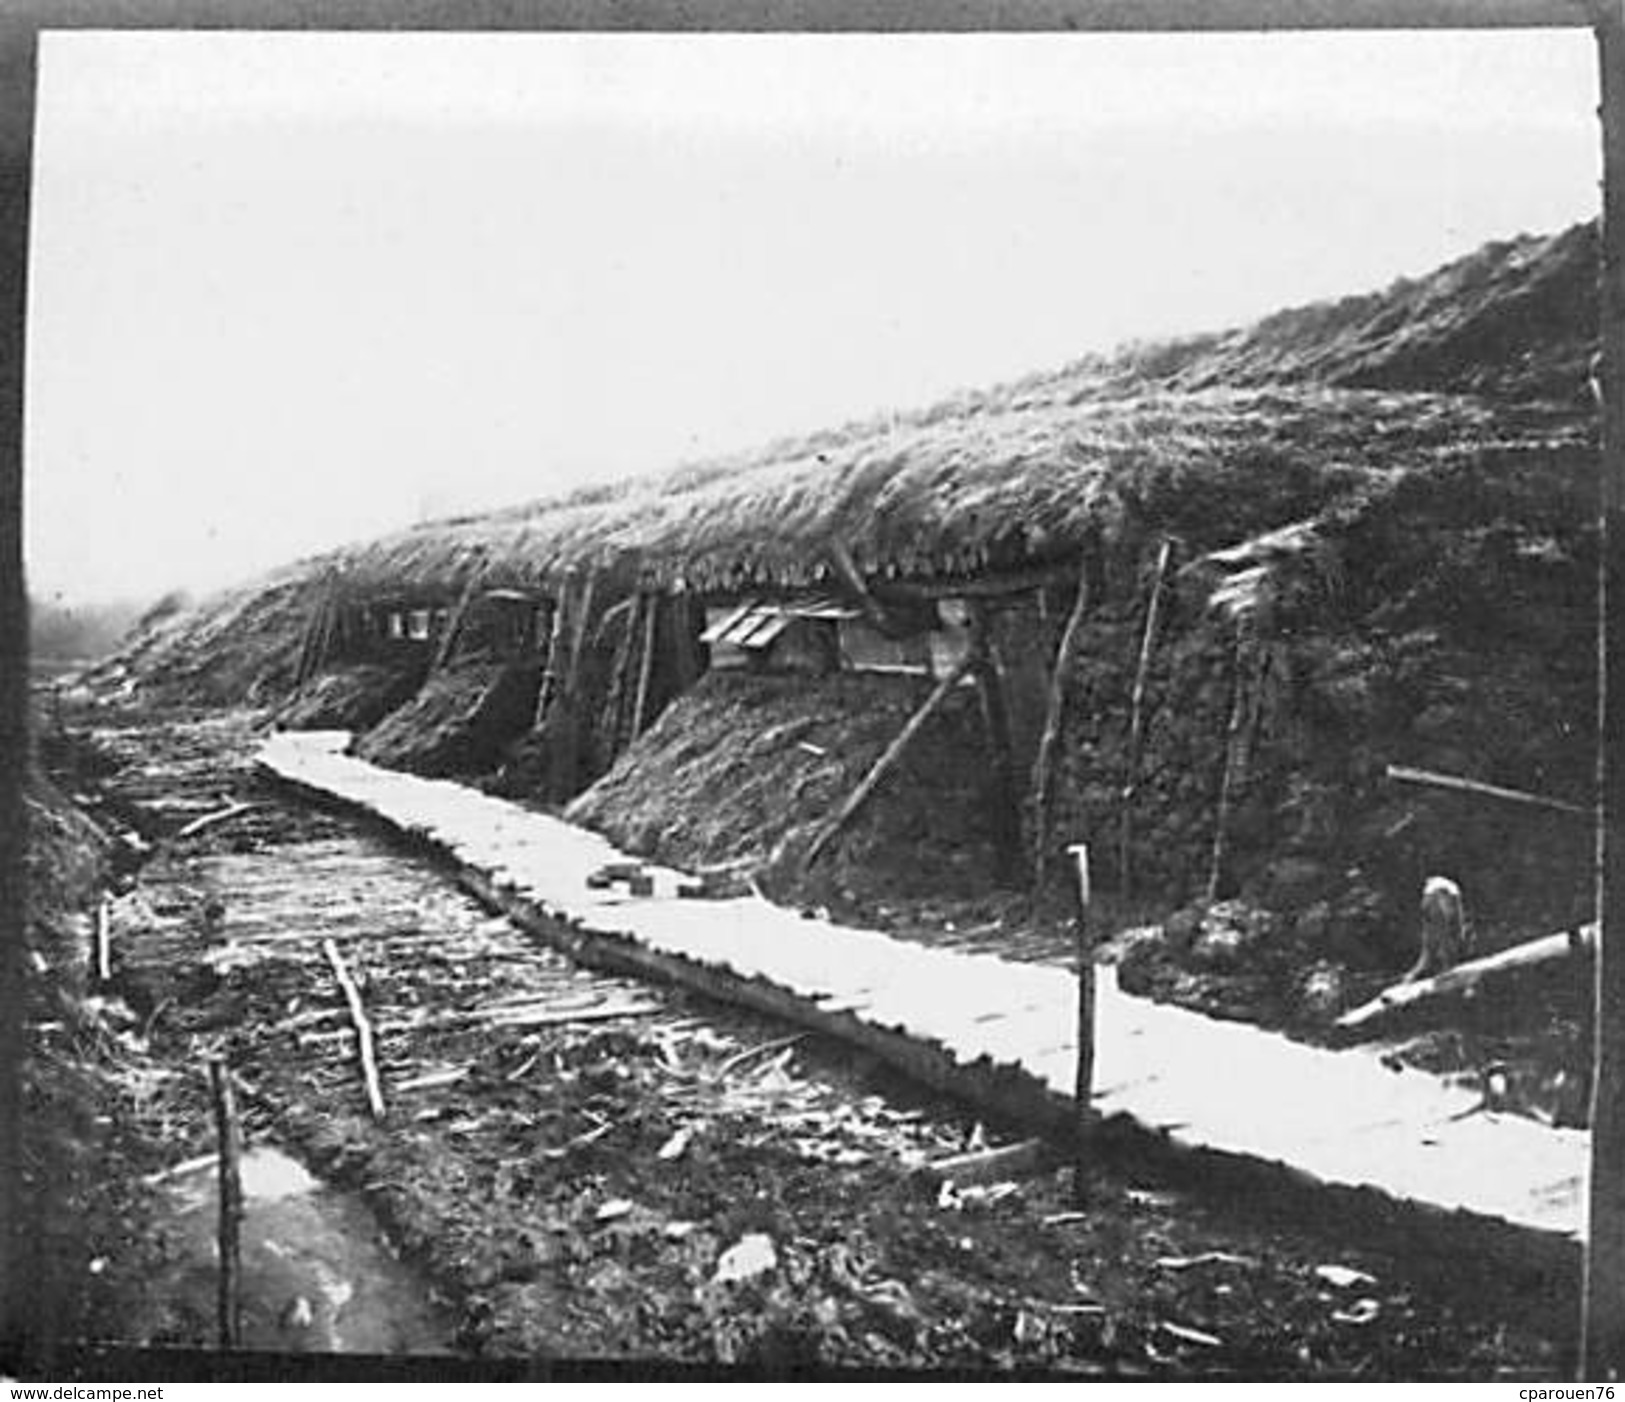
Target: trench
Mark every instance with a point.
(569, 1154)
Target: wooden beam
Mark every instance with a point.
(454, 625)
(1054, 714)
(1451, 783)
(1464, 977)
(646, 662)
(887, 761)
(996, 721)
(617, 703)
(552, 672)
(852, 581)
(993, 586)
(1136, 724)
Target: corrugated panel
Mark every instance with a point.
(759, 629)
(718, 631)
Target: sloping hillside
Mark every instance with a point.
(1438, 436)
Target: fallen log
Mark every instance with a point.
(363, 1028)
(1466, 976)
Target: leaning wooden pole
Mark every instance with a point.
(1136, 723)
(454, 624)
(1083, 1085)
(1602, 1323)
(228, 1136)
(1054, 715)
(646, 662)
(1454, 783)
(884, 765)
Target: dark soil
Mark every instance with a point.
(587, 1190)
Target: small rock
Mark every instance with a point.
(1342, 1277)
(752, 1255)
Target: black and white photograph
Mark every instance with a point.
(779, 693)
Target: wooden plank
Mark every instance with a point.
(1351, 1122)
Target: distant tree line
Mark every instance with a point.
(61, 630)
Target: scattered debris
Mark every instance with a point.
(1205, 1258)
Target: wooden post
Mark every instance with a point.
(617, 705)
(557, 640)
(996, 721)
(1054, 715)
(104, 942)
(884, 764)
(1083, 1086)
(1232, 769)
(228, 1136)
(646, 664)
(1136, 724)
(1602, 1323)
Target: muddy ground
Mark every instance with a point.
(679, 1182)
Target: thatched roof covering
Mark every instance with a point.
(966, 493)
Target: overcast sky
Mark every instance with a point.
(294, 290)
